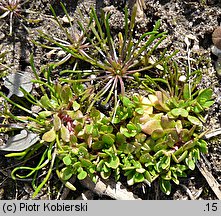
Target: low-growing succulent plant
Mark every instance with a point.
(148, 138)
(143, 137)
(158, 141)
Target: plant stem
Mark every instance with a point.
(48, 174)
(17, 105)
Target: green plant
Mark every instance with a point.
(181, 94)
(13, 10)
(68, 138)
(156, 136)
(114, 60)
(35, 129)
(75, 40)
(158, 142)
(143, 141)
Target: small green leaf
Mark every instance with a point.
(127, 102)
(66, 173)
(179, 112)
(85, 162)
(106, 129)
(114, 162)
(56, 122)
(82, 151)
(108, 139)
(82, 175)
(120, 138)
(138, 177)
(166, 122)
(140, 170)
(54, 102)
(66, 94)
(203, 146)
(194, 120)
(89, 129)
(186, 92)
(131, 126)
(73, 139)
(65, 135)
(49, 136)
(127, 148)
(207, 104)
(45, 102)
(160, 145)
(204, 95)
(197, 108)
(190, 163)
(127, 133)
(165, 186)
(97, 145)
(76, 106)
(67, 160)
(45, 114)
(166, 164)
(175, 180)
(70, 186)
(105, 175)
(76, 165)
(196, 154)
(95, 114)
(100, 165)
(130, 177)
(139, 111)
(181, 157)
(167, 176)
(57, 88)
(148, 176)
(145, 158)
(158, 133)
(185, 135)
(141, 137)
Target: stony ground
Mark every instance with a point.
(185, 21)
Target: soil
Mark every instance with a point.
(189, 20)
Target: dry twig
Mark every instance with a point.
(215, 186)
(109, 188)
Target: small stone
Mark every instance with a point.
(182, 78)
(66, 19)
(61, 54)
(218, 67)
(216, 51)
(216, 37)
(2, 35)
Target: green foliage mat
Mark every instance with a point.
(143, 137)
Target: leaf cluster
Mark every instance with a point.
(147, 138)
(114, 61)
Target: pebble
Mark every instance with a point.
(2, 35)
(216, 51)
(216, 37)
(218, 66)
